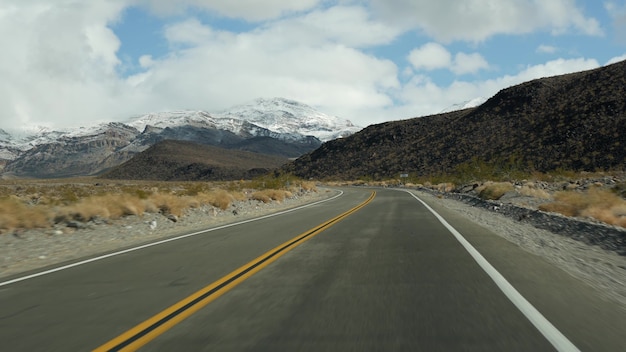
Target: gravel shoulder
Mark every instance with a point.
(28, 250)
(601, 268)
(34, 249)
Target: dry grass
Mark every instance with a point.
(308, 186)
(530, 190)
(170, 203)
(219, 198)
(113, 206)
(494, 190)
(41, 203)
(444, 187)
(600, 204)
(16, 214)
(267, 195)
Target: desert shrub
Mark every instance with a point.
(137, 192)
(275, 181)
(43, 202)
(218, 198)
(498, 169)
(169, 203)
(444, 187)
(493, 190)
(68, 196)
(194, 188)
(112, 206)
(261, 197)
(620, 189)
(268, 195)
(600, 204)
(15, 214)
(308, 186)
(530, 190)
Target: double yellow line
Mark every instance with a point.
(145, 332)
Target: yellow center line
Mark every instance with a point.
(147, 331)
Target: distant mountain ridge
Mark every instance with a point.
(91, 150)
(172, 160)
(574, 122)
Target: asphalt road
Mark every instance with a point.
(386, 277)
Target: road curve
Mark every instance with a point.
(388, 276)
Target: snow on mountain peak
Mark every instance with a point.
(278, 117)
(171, 119)
(289, 116)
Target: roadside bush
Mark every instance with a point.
(308, 186)
(169, 203)
(113, 206)
(530, 190)
(494, 190)
(42, 203)
(444, 187)
(268, 195)
(15, 214)
(600, 204)
(218, 198)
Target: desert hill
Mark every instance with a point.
(172, 160)
(574, 122)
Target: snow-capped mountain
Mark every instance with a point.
(275, 126)
(202, 119)
(285, 119)
(6, 151)
(172, 119)
(289, 116)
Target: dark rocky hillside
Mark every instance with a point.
(574, 122)
(171, 160)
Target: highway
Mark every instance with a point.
(372, 270)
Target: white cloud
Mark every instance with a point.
(551, 68)
(547, 49)
(617, 12)
(61, 67)
(227, 70)
(146, 61)
(190, 31)
(421, 96)
(348, 25)
(251, 10)
(432, 56)
(58, 62)
(469, 63)
(616, 59)
(478, 20)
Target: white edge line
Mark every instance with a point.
(549, 331)
(82, 262)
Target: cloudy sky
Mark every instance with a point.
(75, 62)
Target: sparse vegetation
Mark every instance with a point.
(566, 124)
(14, 213)
(494, 190)
(600, 204)
(268, 195)
(530, 190)
(563, 191)
(43, 203)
